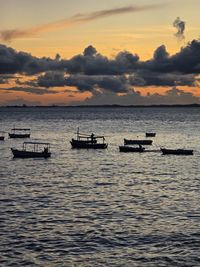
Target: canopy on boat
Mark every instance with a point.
(21, 129)
(37, 143)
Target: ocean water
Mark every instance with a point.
(101, 207)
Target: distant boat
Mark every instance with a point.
(150, 134)
(137, 142)
(35, 152)
(166, 151)
(131, 149)
(2, 137)
(88, 141)
(20, 133)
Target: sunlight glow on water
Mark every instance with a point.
(101, 208)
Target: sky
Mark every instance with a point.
(66, 52)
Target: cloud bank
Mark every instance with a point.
(112, 79)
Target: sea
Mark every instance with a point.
(93, 208)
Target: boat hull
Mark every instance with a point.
(87, 145)
(19, 135)
(137, 142)
(29, 154)
(131, 149)
(176, 151)
(150, 134)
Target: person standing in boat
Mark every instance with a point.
(46, 150)
(92, 138)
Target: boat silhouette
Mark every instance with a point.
(20, 133)
(88, 141)
(36, 152)
(166, 151)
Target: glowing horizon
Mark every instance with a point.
(110, 28)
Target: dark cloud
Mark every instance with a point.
(90, 51)
(12, 62)
(8, 35)
(114, 83)
(173, 96)
(187, 61)
(147, 78)
(117, 84)
(29, 90)
(180, 26)
(96, 73)
(4, 79)
(52, 79)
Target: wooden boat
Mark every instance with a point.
(150, 134)
(88, 141)
(20, 133)
(131, 149)
(35, 152)
(137, 142)
(166, 151)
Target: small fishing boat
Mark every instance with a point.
(137, 142)
(39, 150)
(131, 149)
(20, 133)
(88, 141)
(2, 137)
(166, 151)
(150, 134)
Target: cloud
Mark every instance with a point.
(52, 79)
(173, 96)
(29, 90)
(8, 35)
(117, 84)
(186, 61)
(4, 79)
(12, 62)
(102, 76)
(146, 78)
(180, 26)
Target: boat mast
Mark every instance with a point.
(78, 133)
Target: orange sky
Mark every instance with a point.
(67, 28)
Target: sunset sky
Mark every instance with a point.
(99, 52)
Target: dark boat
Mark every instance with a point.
(88, 141)
(137, 142)
(131, 149)
(36, 152)
(2, 137)
(150, 134)
(20, 133)
(166, 151)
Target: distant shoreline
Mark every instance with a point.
(106, 106)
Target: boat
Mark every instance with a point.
(137, 142)
(88, 141)
(166, 151)
(150, 134)
(131, 149)
(20, 133)
(2, 137)
(35, 152)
